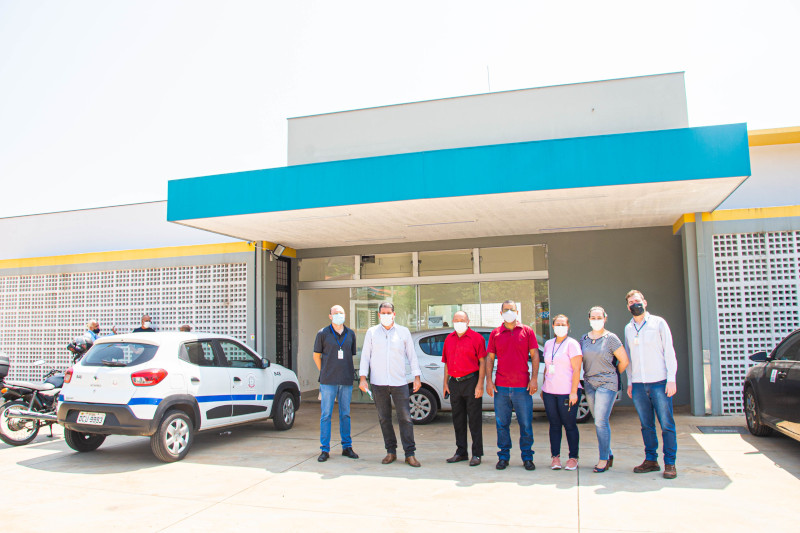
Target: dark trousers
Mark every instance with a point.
(560, 415)
(466, 407)
(384, 396)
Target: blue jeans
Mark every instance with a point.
(560, 415)
(520, 401)
(601, 401)
(651, 401)
(342, 393)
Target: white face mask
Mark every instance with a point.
(597, 325)
(147, 325)
(560, 331)
(338, 319)
(460, 327)
(387, 320)
(509, 316)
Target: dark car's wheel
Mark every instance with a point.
(83, 442)
(752, 415)
(16, 431)
(283, 418)
(173, 438)
(584, 413)
(423, 406)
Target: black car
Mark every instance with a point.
(772, 390)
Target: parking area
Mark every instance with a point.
(254, 477)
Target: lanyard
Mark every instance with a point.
(639, 329)
(553, 355)
(336, 336)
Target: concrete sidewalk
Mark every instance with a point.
(257, 478)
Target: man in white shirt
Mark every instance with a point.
(651, 382)
(387, 348)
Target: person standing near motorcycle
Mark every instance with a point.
(93, 331)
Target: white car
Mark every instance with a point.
(429, 399)
(168, 386)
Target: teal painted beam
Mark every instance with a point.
(621, 159)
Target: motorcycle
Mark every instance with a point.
(28, 406)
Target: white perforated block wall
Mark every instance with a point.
(41, 314)
(756, 282)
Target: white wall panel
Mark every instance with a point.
(756, 281)
(604, 107)
(124, 227)
(41, 314)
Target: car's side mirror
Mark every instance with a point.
(265, 363)
(759, 357)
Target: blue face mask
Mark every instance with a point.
(338, 319)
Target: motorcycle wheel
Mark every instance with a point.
(16, 431)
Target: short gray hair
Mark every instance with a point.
(390, 305)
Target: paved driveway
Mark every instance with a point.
(257, 478)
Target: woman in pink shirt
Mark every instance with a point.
(561, 392)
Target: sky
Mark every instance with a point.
(103, 101)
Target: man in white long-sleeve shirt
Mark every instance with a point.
(387, 348)
(651, 382)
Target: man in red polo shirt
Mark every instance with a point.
(463, 357)
(513, 384)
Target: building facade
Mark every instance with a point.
(560, 198)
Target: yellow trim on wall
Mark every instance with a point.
(146, 253)
(773, 136)
(755, 213)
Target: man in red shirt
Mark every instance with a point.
(514, 383)
(463, 356)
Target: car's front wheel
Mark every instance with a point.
(83, 442)
(752, 416)
(584, 413)
(423, 406)
(174, 437)
(283, 418)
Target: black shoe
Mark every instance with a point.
(529, 465)
(348, 452)
(501, 464)
(457, 458)
(323, 457)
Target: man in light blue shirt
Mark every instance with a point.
(387, 349)
(651, 382)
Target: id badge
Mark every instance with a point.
(636, 341)
(551, 369)
(341, 353)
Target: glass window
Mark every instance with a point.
(532, 301)
(198, 353)
(433, 344)
(789, 350)
(386, 266)
(445, 263)
(513, 259)
(327, 268)
(238, 357)
(438, 303)
(119, 354)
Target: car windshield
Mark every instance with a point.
(119, 354)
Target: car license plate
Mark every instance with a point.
(93, 419)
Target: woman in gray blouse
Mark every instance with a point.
(600, 379)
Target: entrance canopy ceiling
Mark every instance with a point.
(576, 184)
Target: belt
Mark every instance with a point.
(465, 378)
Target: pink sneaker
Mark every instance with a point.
(556, 463)
(572, 463)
